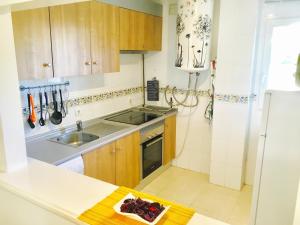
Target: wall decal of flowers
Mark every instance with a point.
(188, 36)
(202, 30)
(193, 29)
(179, 29)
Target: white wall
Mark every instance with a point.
(19, 211)
(12, 144)
(237, 36)
(196, 151)
(297, 211)
(237, 44)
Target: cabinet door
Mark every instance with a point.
(132, 26)
(33, 43)
(149, 32)
(170, 139)
(105, 37)
(153, 33)
(128, 160)
(157, 33)
(100, 163)
(140, 31)
(71, 34)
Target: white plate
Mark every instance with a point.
(117, 208)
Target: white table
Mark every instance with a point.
(66, 192)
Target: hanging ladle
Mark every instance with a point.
(42, 120)
(62, 108)
(56, 117)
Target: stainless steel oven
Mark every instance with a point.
(151, 148)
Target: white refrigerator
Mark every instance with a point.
(278, 160)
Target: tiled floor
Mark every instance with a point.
(193, 189)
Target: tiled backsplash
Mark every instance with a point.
(129, 91)
(243, 99)
(104, 96)
(201, 93)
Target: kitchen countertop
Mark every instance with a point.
(53, 188)
(39, 147)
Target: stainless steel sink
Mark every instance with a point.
(75, 139)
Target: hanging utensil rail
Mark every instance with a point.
(23, 88)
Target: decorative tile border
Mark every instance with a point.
(242, 99)
(200, 93)
(104, 96)
(135, 90)
(219, 97)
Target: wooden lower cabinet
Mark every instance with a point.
(117, 163)
(101, 163)
(169, 139)
(128, 160)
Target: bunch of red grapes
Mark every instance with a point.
(146, 210)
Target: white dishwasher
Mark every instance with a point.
(75, 165)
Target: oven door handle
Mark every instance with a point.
(153, 142)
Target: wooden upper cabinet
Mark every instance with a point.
(100, 163)
(157, 33)
(80, 39)
(132, 25)
(153, 32)
(128, 160)
(71, 39)
(33, 43)
(140, 31)
(149, 28)
(105, 38)
(170, 139)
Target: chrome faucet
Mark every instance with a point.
(79, 125)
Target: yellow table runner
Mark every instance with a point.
(103, 213)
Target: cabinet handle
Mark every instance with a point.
(94, 63)
(87, 63)
(47, 65)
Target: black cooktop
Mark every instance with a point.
(133, 117)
